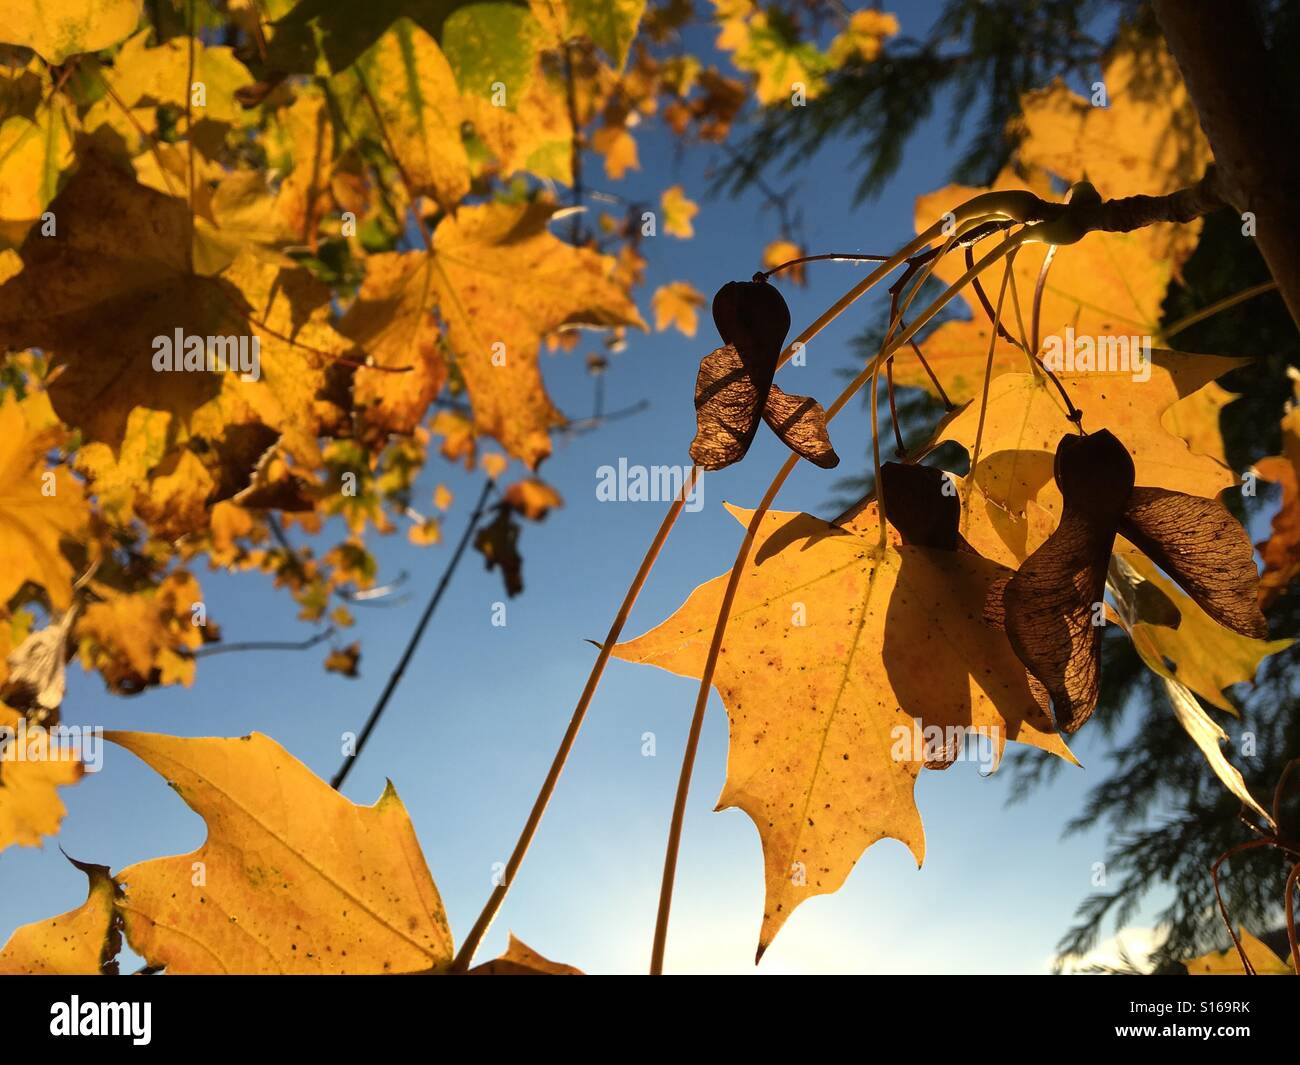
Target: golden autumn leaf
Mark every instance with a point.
(30, 772)
(863, 37)
(836, 652)
(240, 213)
(101, 307)
(1027, 418)
(305, 191)
(782, 251)
(766, 43)
(618, 146)
(392, 321)
(297, 879)
(416, 106)
(147, 75)
(35, 148)
(532, 132)
(425, 532)
(1143, 138)
(1178, 640)
(609, 24)
(81, 942)
(1196, 419)
(146, 637)
(1228, 962)
(1105, 290)
(678, 212)
(1281, 551)
(57, 29)
(521, 960)
(502, 281)
(677, 304)
(39, 506)
(344, 660)
(997, 533)
(532, 498)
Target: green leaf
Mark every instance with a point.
(488, 44)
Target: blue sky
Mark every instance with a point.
(470, 732)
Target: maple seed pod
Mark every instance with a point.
(752, 316)
(1094, 471)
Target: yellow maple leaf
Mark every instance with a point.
(531, 133)
(521, 960)
(610, 24)
(142, 638)
(297, 879)
(391, 320)
(1184, 643)
(1196, 419)
(57, 29)
(863, 38)
(677, 304)
(782, 251)
(1228, 962)
(532, 498)
(174, 500)
(1026, 418)
(618, 146)
(30, 773)
(305, 192)
(1108, 285)
(39, 506)
(81, 942)
(835, 652)
(146, 75)
(419, 111)
(502, 282)
(35, 147)
(1145, 138)
(678, 212)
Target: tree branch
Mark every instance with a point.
(396, 676)
(1249, 119)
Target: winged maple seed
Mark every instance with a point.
(734, 387)
(1052, 606)
(922, 505)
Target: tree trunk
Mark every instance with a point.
(1249, 119)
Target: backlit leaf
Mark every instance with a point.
(297, 879)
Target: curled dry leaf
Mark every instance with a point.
(1052, 602)
(37, 670)
(734, 387)
(498, 543)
